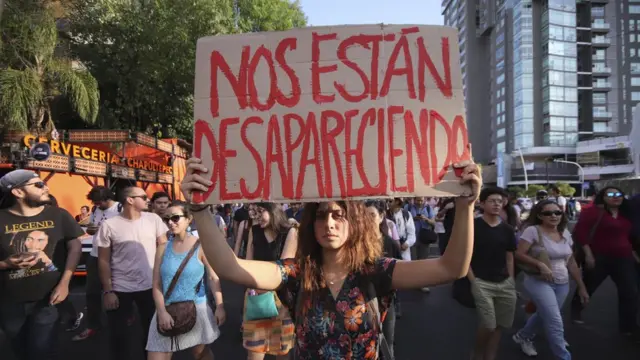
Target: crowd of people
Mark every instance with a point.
(320, 278)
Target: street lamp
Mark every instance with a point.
(524, 167)
(581, 173)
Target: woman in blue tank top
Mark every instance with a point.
(189, 287)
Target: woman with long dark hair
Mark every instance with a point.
(242, 233)
(338, 286)
(269, 239)
(390, 248)
(603, 232)
(547, 283)
(509, 213)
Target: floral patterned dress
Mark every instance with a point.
(338, 328)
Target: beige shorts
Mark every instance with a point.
(495, 302)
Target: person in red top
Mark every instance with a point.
(604, 233)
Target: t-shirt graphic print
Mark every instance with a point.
(40, 235)
(33, 241)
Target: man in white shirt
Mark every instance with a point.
(554, 194)
(126, 255)
(406, 227)
(105, 208)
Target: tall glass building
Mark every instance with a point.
(541, 75)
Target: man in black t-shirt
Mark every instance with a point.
(31, 282)
(492, 274)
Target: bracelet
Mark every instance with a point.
(107, 292)
(198, 208)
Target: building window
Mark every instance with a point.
(635, 95)
(635, 81)
(500, 147)
(597, 11)
(500, 133)
(600, 127)
(634, 9)
(571, 124)
(599, 98)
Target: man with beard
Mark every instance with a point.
(30, 285)
(126, 254)
(102, 199)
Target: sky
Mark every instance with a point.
(341, 12)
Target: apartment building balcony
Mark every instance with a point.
(601, 86)
(539, 172)
(600, 42)
(602, 115)
(608, 167)
(601, 71)
(601, 27)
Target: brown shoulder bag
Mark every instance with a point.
(183, 313)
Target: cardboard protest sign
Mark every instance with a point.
(313, 114)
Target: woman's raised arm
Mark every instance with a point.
(261, 275)
(454, 263)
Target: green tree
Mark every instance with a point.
(143, 53)
(566, 189)
(34, 71)
(269, 15)
(533, 189)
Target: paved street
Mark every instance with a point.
(433, 327)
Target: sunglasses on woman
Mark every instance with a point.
(173, 218)
(614, 194)
(549, 213)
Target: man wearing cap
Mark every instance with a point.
(29, 285)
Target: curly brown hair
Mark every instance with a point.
(362, 247)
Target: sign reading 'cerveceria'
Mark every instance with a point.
(78, 151)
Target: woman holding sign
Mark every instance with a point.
(338, 287)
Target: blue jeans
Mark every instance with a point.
(549, 299)
(31, 328)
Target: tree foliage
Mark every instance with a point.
(35, 71)
(566, 189)
(143, 53)
(269, 15)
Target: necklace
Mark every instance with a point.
(333, 279)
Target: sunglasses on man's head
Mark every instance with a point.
(173, 218)
(549, 213)
(614, 194)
